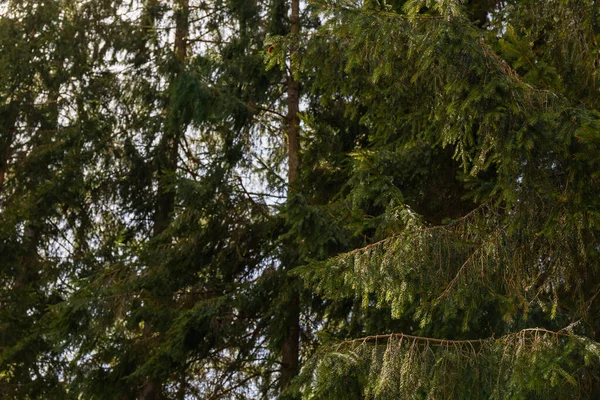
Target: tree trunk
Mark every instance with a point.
(6, 140)
(167, 157)
(293, 106)
(169, 144)
(290, 351)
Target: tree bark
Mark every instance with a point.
(290, 351)
(293, 102)
(6, 143)
(169, 144)
(167, 161)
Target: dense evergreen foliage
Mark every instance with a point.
(330, 199)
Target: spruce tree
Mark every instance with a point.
(52, 95)
(465, 143)
(136, 182)
(165, 313)
(429, 174)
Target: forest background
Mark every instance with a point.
(329, 199)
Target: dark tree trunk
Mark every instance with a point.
(6, 141)
(293, 106)
(169, 145)
(290, 351)
(167, 160)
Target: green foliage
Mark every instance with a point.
(443, 225)
(528, 364)
(462, 189)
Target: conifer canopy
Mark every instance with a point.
(318, 199)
